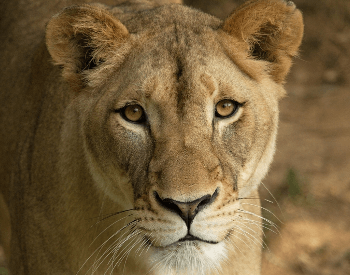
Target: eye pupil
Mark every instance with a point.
(226, 108)
(133, 113)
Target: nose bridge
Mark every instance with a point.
(184, 167)
(183, 157)
(188, 168)
(178, 141)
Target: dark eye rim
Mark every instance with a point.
(237, 107)
(142, 119)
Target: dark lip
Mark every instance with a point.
(189, 238)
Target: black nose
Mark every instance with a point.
(186, 210)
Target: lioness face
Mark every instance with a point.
(191, 133)
(179, 122)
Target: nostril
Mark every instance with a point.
(203, 203)
(168, 204)
(206, 200)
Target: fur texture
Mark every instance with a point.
(271, 31)
(91, 192)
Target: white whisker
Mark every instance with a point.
(128, 253)
(264, 209)
(103, 244)
(235, 236)
(232, 243)
(251, 229)
(248, 236)
(109, 227)
(107, 252)
(273, 198)
(134, 234)
(260, 225)
(113, 248)
(144, 244)
(253, 214)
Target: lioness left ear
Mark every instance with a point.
(81, 38)
(271, 30)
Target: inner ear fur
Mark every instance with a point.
(271, 30)
(81, 38)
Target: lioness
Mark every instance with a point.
(142, 152)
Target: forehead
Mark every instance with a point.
(177, 61)
(183, 64)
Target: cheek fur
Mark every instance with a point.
(132, 147)
(235, 139)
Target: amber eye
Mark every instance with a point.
(133, 113)
(226, 108)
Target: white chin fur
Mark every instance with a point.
(190, 257)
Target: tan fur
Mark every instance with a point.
(92, 193)
(272, 30)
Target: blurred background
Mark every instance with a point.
(308, 186)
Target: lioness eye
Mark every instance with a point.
(226, 108)
(133, 113)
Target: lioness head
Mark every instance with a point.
(176, 113)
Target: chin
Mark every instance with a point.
(188, 257)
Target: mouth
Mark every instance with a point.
(190, 238)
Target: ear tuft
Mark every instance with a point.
(81, 38)
(272, 31)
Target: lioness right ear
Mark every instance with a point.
(81, 38)
(271, 30)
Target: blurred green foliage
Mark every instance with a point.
(294, 184)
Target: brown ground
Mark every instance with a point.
(310, 177)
